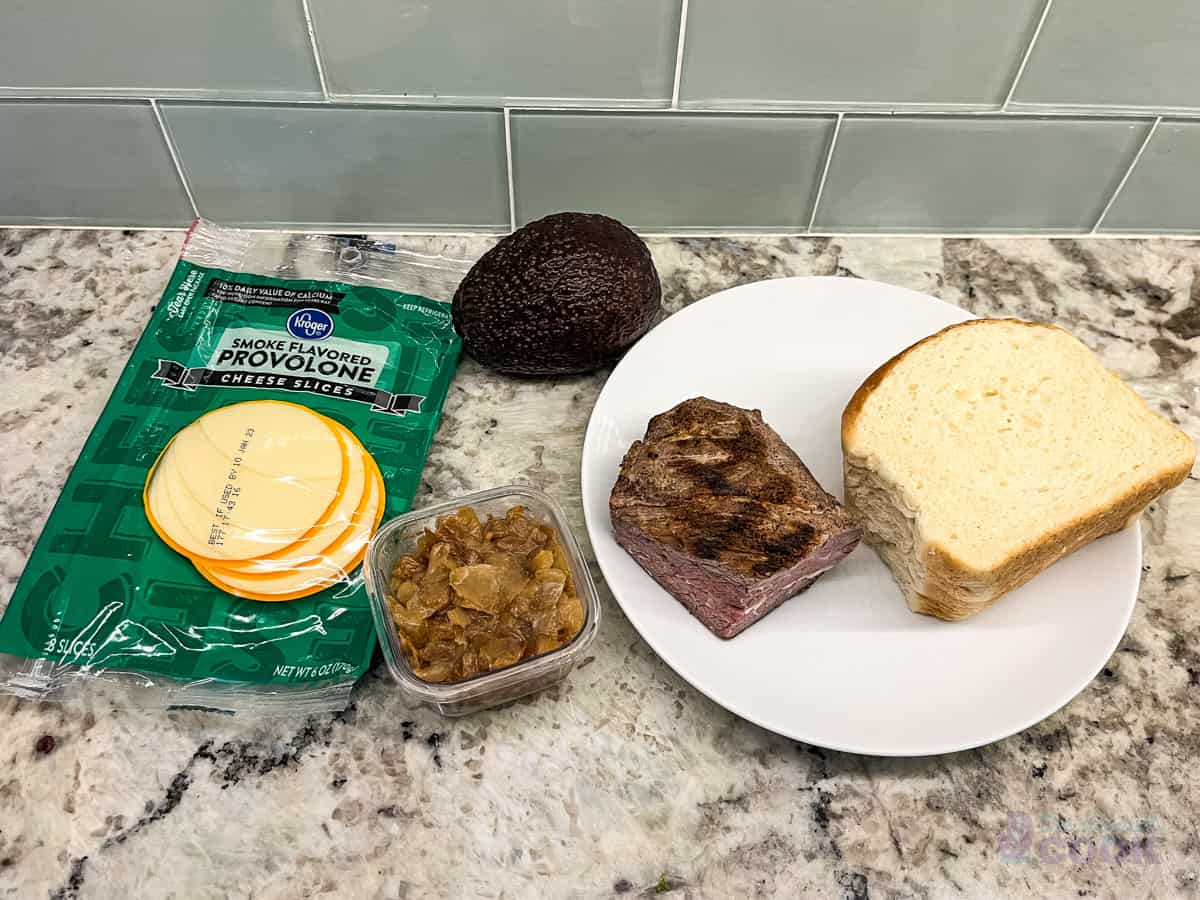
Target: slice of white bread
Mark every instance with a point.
(984, 453)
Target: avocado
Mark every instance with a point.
(565, 294)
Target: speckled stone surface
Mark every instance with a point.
(623, 781)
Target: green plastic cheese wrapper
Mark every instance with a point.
(358, 332)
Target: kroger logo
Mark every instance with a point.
(310, 324)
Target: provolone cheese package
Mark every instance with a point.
(208, 545)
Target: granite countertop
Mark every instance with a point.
(623, 781)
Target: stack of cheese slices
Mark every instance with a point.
(268, 500)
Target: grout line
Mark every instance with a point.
(312, 43)
(58, 226)
(166, 136)
(747, 233)
(825, 107)
(1012, 88)
(399, 229)
(1124, 178)
(455, 101)
(766, 108)
(130, 95)
(1024, 109)
(683, 15)
(512, 196)
(837, 127)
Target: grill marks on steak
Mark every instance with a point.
(722, 513)
(715, 482)
(747, 536)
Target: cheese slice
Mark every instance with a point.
(253, 496)
(274, 438)
(258, 484)
(335, 565)
(205, 531)
(351, 504)
(247, 480)
(160, 513)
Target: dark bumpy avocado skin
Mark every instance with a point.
(565, 294)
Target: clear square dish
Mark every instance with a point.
(399, 537)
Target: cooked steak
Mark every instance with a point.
(720, 511)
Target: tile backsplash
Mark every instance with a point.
(475, 52)
(670, 171)
(951, 52)
(975, 174)
(1113, 53)
(77, 162)
(157, 48)
(306, 164)
(829, 116)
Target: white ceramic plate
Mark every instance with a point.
(844, 665)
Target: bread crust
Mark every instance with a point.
(953, 590)
(943, 596)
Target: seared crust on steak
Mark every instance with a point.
(736, 516)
